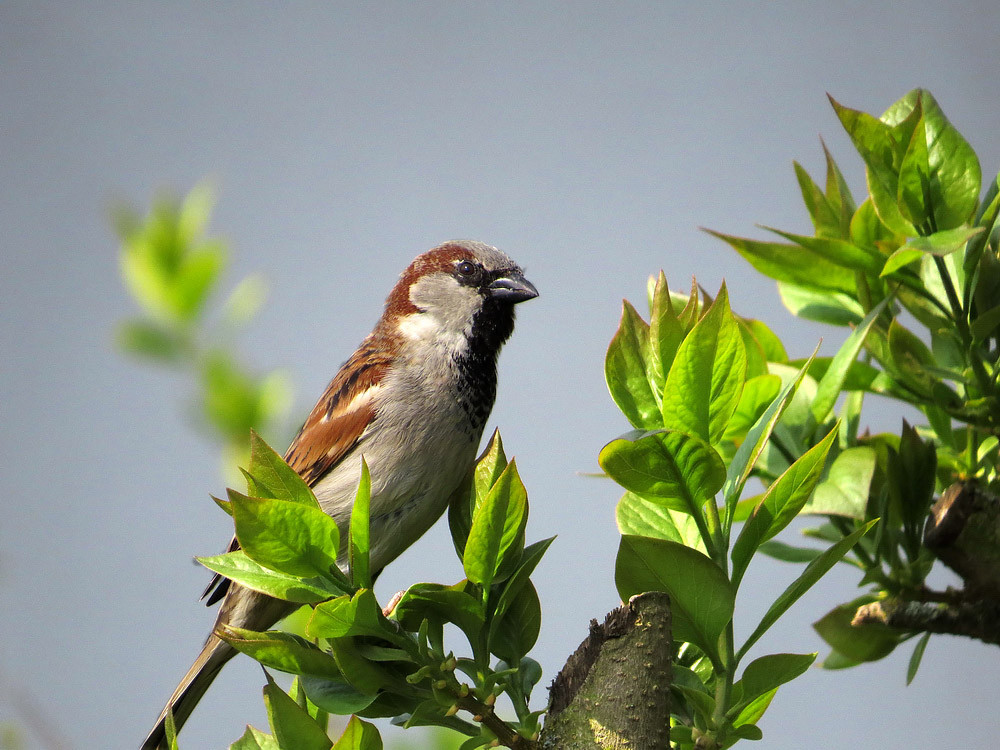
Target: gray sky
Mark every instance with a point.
(588, 140)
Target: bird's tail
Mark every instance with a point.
(206, 667)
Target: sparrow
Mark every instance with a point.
(413, 400)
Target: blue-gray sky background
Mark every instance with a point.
(588, 140)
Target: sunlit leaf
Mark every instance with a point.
(497, 532)
(844, 491)
(281, 651)
(701, 598)
(706, 379)
(812, 573)
(291, 724)
(237, 567)
(359, 735)
(860, 643)
(781, 503)
(681, 470)
(625, 370)
(286, 536)
(359, 545)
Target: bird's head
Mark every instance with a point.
(458, 292)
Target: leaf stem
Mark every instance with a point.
(486, 716)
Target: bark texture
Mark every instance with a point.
(963, 531)
(614, 692)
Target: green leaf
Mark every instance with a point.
(236, 566)
(832, 382)
(913, 191)
(336, 696)
(752, 712)
(281, 651)
(867, 230)
(531, 557)
(641, 517)
(812, 573)
(834, 308)
(748, 732)
(882, 146)
(701, 598)
(757, 437)
(666, 332)
(473, 491)
(917, 657)
(497, 529)
(360, 529)
(287, 537)
(844, 491)
(941, 243)
(270, 470)
(985, 324)
(681, 470)
(758, 393)
(365, 676)
(706, 378)
(513, 633)
(859, 643)
(912, 361)
(700, 703)
(359, 735)
(825, 218)
(489, 467)
(195, 279)
(954, 173)
(350, 615)
(254, 739)
(792, 264)
(147, 338)
(788, 553)
(291, 724)
(767, 673)
(900, 258)
(781, 503)
(774, 350)
(837, 251)
(838, 194)
(245, 300)
(439, 603)
(625, 370)
(170, 729)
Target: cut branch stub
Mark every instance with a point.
(614, 691)
(963, 531)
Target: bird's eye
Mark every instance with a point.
(467, 269)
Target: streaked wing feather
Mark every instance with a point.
(332, 428)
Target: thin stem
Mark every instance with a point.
(962, 325)
(485, 715)
(715, 528)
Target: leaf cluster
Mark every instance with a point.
(172, 270)
(710, 395)
(914, 269)
(356, 658)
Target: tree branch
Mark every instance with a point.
(614, 692)
(979, 619)
(963, 531)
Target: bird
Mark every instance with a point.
(413, 401)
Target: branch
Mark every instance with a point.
(614, 692)
(978, 619)
(484, 714)
(963, 531)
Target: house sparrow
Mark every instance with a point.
(413, 400)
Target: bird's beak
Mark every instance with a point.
(512, 288)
